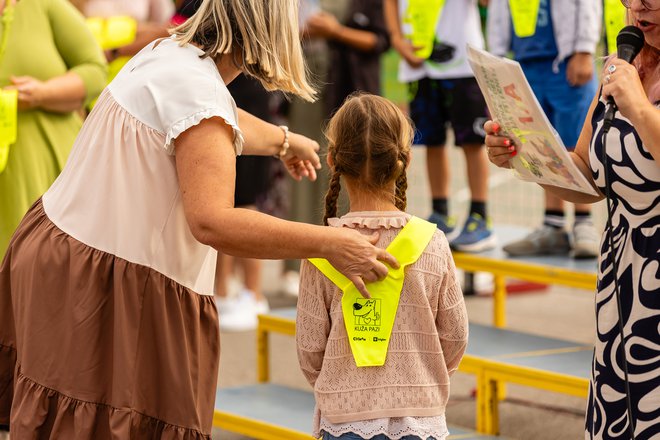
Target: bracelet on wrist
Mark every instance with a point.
(285, 144)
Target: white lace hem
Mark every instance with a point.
(394, 428)
(184, 124)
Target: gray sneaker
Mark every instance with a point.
(543, 241)
(585, 240)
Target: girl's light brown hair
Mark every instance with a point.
(262, 33)
(369, 142)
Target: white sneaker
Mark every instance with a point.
(586, 240)
(290, 283)
(240, 314)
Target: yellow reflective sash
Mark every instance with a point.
(369, 322)
(422, 17)
(524, 14)
(615, 20)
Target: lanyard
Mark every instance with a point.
(524, 14)
(421, 21)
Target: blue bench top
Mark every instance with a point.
(506, 234)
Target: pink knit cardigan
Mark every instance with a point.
(428, 340)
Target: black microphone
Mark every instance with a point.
(628, 44)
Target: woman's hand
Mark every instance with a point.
(355, 256)
(302, 159)
(622, 83)
(500, 149)
(31, 91)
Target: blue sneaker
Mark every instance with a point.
(476, 236)
(445, 223)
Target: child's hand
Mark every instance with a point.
(302, 159)
(407, 51)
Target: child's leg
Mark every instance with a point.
(468, 112)
(428, 112)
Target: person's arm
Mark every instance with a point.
(628, 92)
(451, 316)
(87, 69)
(501, 149)
(206, 167)
(399, 42)
(325, 25)
(312, 322)
(580, 67)
(265, 139)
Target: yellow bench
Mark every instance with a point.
(494, 355)
(556, 270)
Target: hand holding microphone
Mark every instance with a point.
(622, 86)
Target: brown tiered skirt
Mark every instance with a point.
(95, 347)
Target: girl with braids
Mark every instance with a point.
(404, 396)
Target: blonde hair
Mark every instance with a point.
(369, 142)
(265, 32)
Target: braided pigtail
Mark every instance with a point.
(331, 197)
(400, 199)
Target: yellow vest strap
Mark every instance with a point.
(524, 14)
(369, 322)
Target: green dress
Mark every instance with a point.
(48, 38)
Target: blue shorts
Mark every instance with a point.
(565, 106)
(438, 103)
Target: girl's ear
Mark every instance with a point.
(329, 161)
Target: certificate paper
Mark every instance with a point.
(541, 157)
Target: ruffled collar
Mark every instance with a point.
(371, 219)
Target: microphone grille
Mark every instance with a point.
(631, 36)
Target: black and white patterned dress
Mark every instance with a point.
(635, 191)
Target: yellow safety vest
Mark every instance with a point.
(369, 322)
(615, 20)
(422, 17)
(524, 14)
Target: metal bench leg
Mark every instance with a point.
(499, 301)
(263, 367)
(492, 415)
(481, 402)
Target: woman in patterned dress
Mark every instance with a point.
(108, 328)
(633, 169)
